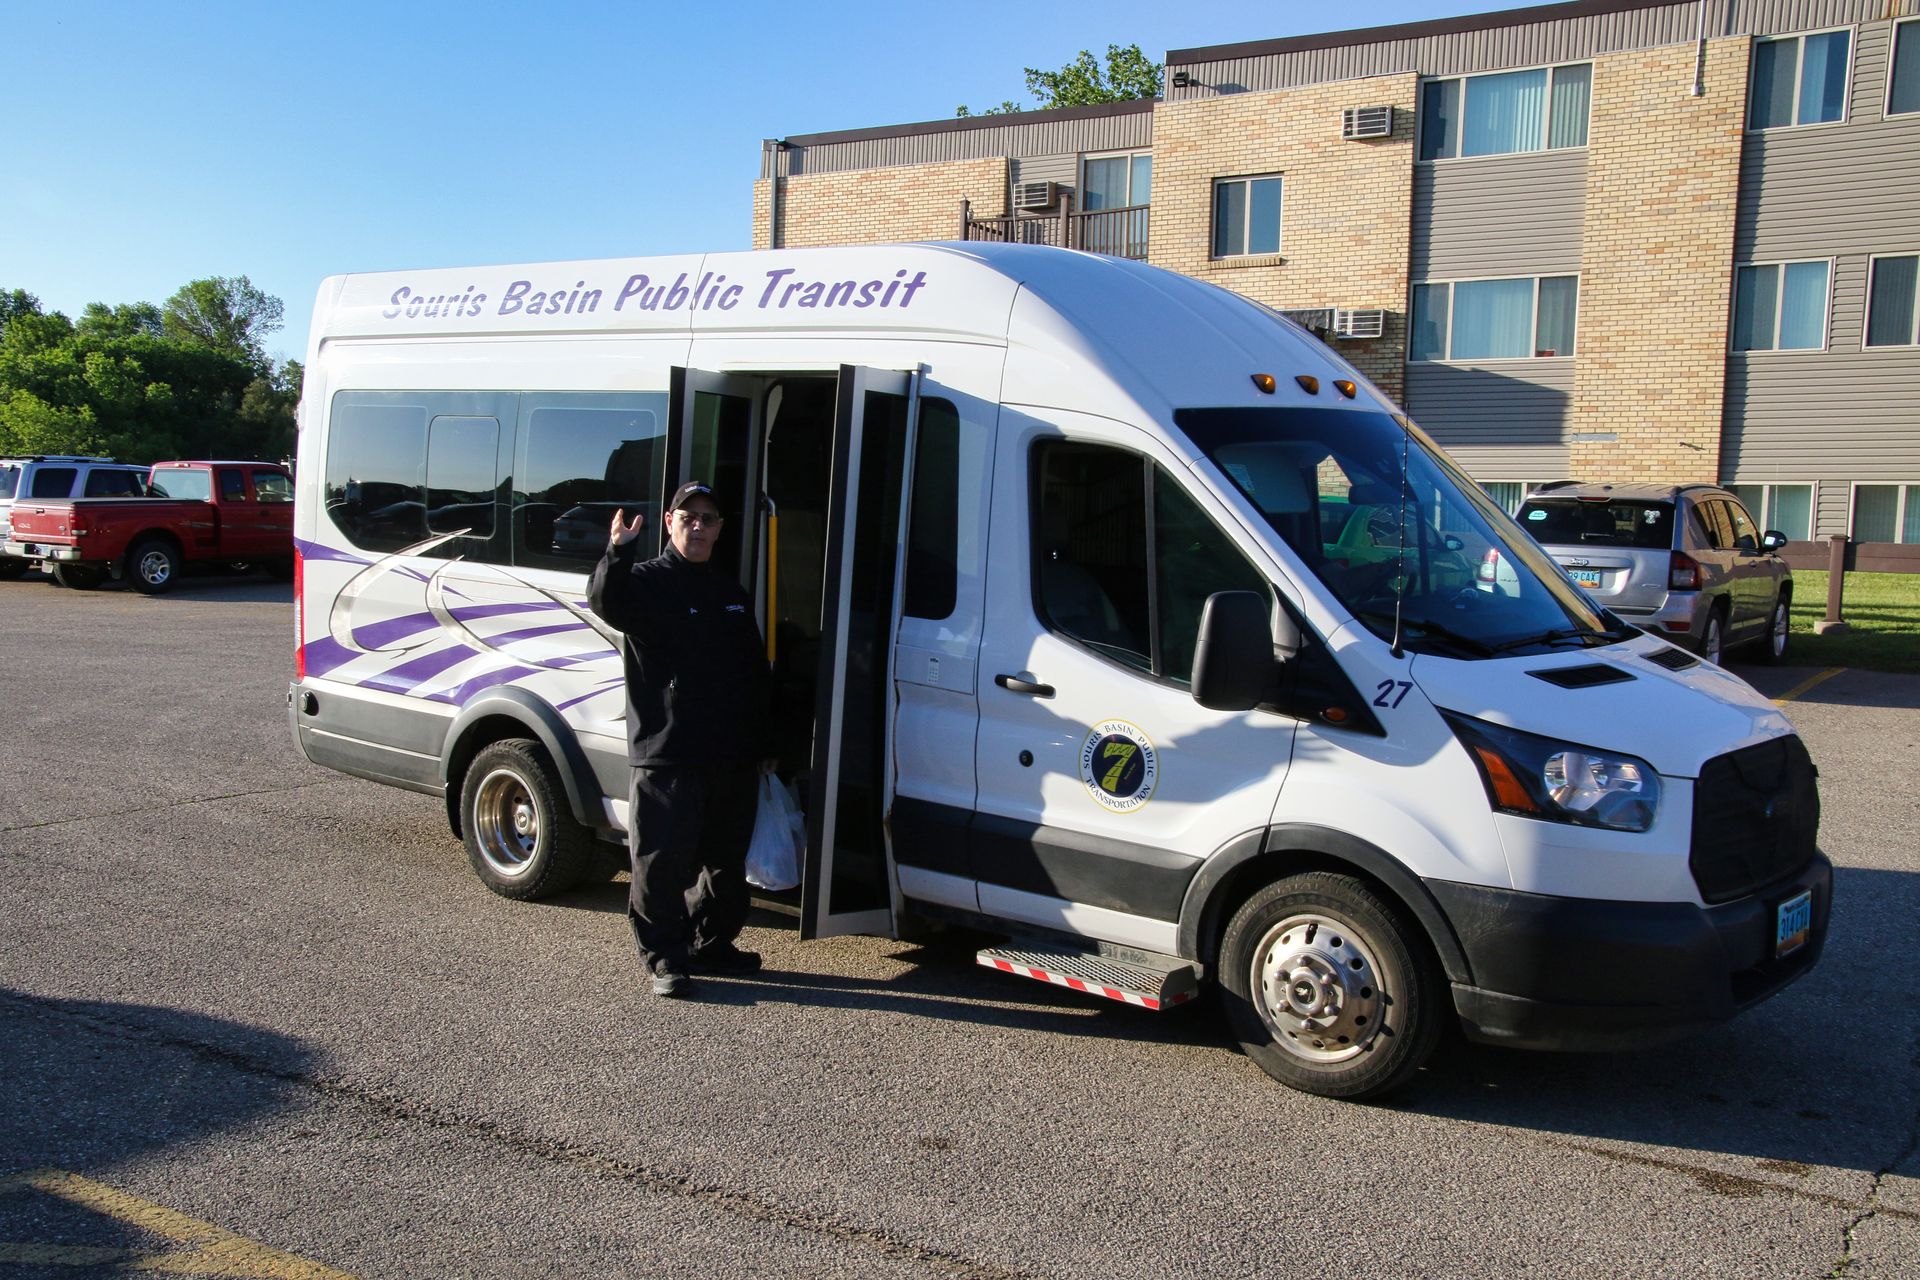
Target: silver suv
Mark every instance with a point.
(60, 476)
(1683, 561)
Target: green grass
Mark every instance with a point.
(1882, 611)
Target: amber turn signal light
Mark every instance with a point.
(1345, 388)
(1308, 383)
(1264, 381)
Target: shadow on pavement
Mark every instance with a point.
(1850, 688)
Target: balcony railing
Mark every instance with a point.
(1120, 233)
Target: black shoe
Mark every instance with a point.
(724, 957)
(672, 984)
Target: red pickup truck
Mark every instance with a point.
(198, 511)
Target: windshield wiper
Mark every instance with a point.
(1561, 635)
(1422, 629)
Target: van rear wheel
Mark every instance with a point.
(1328, 989)
(521, 838)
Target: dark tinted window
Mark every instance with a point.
(1744, 534)
(115, 482)
(1090, 581)
(461, 456)
(1716, 524)
(53, 482)
(581, 458)
(933, 531)
(1192, 559)
(186, 483)
(233, 487)
(375, 490)
(1568, 522)
(271, 486)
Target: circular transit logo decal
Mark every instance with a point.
(1119, 766)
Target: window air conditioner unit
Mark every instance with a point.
(1366, 122)
(1362, 322)
(1318, 320)
(1035, 195)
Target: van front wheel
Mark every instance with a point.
(521, 839)
(1328, 990)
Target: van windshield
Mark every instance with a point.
(1464, 580)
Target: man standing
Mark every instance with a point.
(698, 698)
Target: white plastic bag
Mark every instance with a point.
(779, 838)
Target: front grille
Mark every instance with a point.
(1756, 814)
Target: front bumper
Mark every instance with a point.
(38, 551)
(1580, 974)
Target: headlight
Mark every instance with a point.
(1556, 781)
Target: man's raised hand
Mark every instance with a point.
(623, 533)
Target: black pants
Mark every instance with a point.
(688, 829)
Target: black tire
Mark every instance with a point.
(13, 567)
(1329, 989)
(81, 577)
(1713, 640)
(280, 570)
(521, 837)
(153, 565)
(1772, 648)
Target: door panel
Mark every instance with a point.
(1102, 782)
(715, 440)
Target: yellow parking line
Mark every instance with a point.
(1805, 685)
(211, 1251)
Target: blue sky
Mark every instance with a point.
(147, 143)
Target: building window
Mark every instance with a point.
(1544, 109)
(1115, 182)
(1528, 317)
(1787, 508)
(1891, 313)
(1246, 216)
(1781, 306)
(1509, 493)
(1903, 87)
(1886, 513)
(1799, 80)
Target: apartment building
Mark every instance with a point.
(1606, 239)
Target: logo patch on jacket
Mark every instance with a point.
(736, 608)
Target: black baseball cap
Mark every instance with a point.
(690, 490)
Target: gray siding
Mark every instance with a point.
(1500, 422)
(1064, 170)
(1027, 140)
(1499, 216)
(1521, 45)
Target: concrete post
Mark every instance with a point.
(1833, 624)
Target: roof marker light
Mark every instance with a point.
(1345, 387)
(1264, 381)
(1308, 383)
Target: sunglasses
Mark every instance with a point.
(699, 519)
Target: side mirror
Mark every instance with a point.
(1233, 661)
(1772, 540)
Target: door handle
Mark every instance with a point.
(1014, 684)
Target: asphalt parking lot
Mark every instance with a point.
(258, 1016)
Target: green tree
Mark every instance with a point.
(15, 303)
(1129, 76)
(228, 315)
(123, 321)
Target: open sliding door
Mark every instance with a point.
(716, 439)
(847, 882)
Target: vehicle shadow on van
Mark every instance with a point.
(1821, 1074)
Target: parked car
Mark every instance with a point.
(59, 476)
(1683, 561)
(210, 512)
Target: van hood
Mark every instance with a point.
(1674, 720)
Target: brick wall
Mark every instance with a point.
(1663, 173)
(1346, 207)
(868, 206)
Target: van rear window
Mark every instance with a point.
(9, 481)
(1568, 522)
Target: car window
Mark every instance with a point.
(1744, 534)
(1718, 528)
(9, 480)
(233, 487)
(182, 482)
(1571, 522)
(53, 482)
(271, 486)
(115, 482)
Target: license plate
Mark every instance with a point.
(1792, 923)
(1585, 577)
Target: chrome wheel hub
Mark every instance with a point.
(506, 824)
(1318, 988)
(155, 567)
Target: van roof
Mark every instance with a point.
(1161, 339)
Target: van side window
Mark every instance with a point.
(933, 527)
(375, 490)
(1126, 586)
(579, 459)
(53, 482)
(233, 487)
(461, 459)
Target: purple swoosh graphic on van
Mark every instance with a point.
(459, 694)
(409, 676)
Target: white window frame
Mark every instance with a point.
(1866, 315)
(1893, 49)
(1826, 311)
(1546, 125)
(1764, 516)
(1579, 287)
(1799, 71)
(1129, 157)
(1899, 506)
(1213, 205)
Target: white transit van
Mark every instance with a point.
(1107, 610)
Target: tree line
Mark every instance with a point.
(144, 383)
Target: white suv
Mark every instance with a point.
(60, 476)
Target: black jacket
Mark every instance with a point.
(698, 688)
